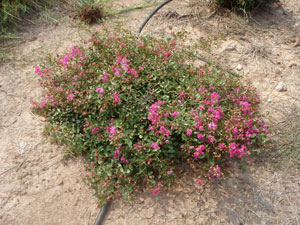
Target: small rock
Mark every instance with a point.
(281, 87)
(59, 181)
(277, 71)
(269, 100)
(239, 67)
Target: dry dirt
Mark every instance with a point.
(37, 188)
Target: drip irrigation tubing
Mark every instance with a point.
(192, 54)
(152, 14)
(101, 216)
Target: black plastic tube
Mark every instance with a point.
(204, 60)
(101, 216)
(154, 11)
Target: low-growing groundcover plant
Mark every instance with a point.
(135, 108)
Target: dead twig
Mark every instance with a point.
(20, 165)
(8, 170)
(37, 117)
(89, 217)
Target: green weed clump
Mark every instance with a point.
(90, 11)
(135, 108)
(242, 5)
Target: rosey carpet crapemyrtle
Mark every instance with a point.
(135, 108)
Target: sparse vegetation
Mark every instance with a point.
(242, 5)
(12, 13)
(89, 11)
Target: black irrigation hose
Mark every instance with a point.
(154, 11)
(192, 54)
(102, 213)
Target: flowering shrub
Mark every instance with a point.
(136, 108)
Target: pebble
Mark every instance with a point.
(269, 100)
(59, 181)
(239, 67)
(281, 87)
(277, 71)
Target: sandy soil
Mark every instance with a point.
(37, 187)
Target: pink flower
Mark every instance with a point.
(199, 182)
(174, 114)
(214, 98)
(37, 70)
(117, 97)
(112, 130)
(167, 54)
(167, 115)
(196, 155)
(222, 146)
(155, 192)
(70, 96)
(170, 172)
(200, 136)
(92, 164)
(43, 104)
(212, 126)
(162, 129)
(141, 68)
(215, 171)
(133, 72)
(100, 90)
(155, 145)
(189, 132)
(95, 130)
(96, 155)
(105, 77)
(200, 149)
(201, 107)
(211, 138)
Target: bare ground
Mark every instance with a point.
(36, 187)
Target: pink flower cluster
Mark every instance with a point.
(215, 171)
(64, 60)
(199, 151)
(158, 123)
(236, 150)
(124, 63)
(154, 115)
(117, 154)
